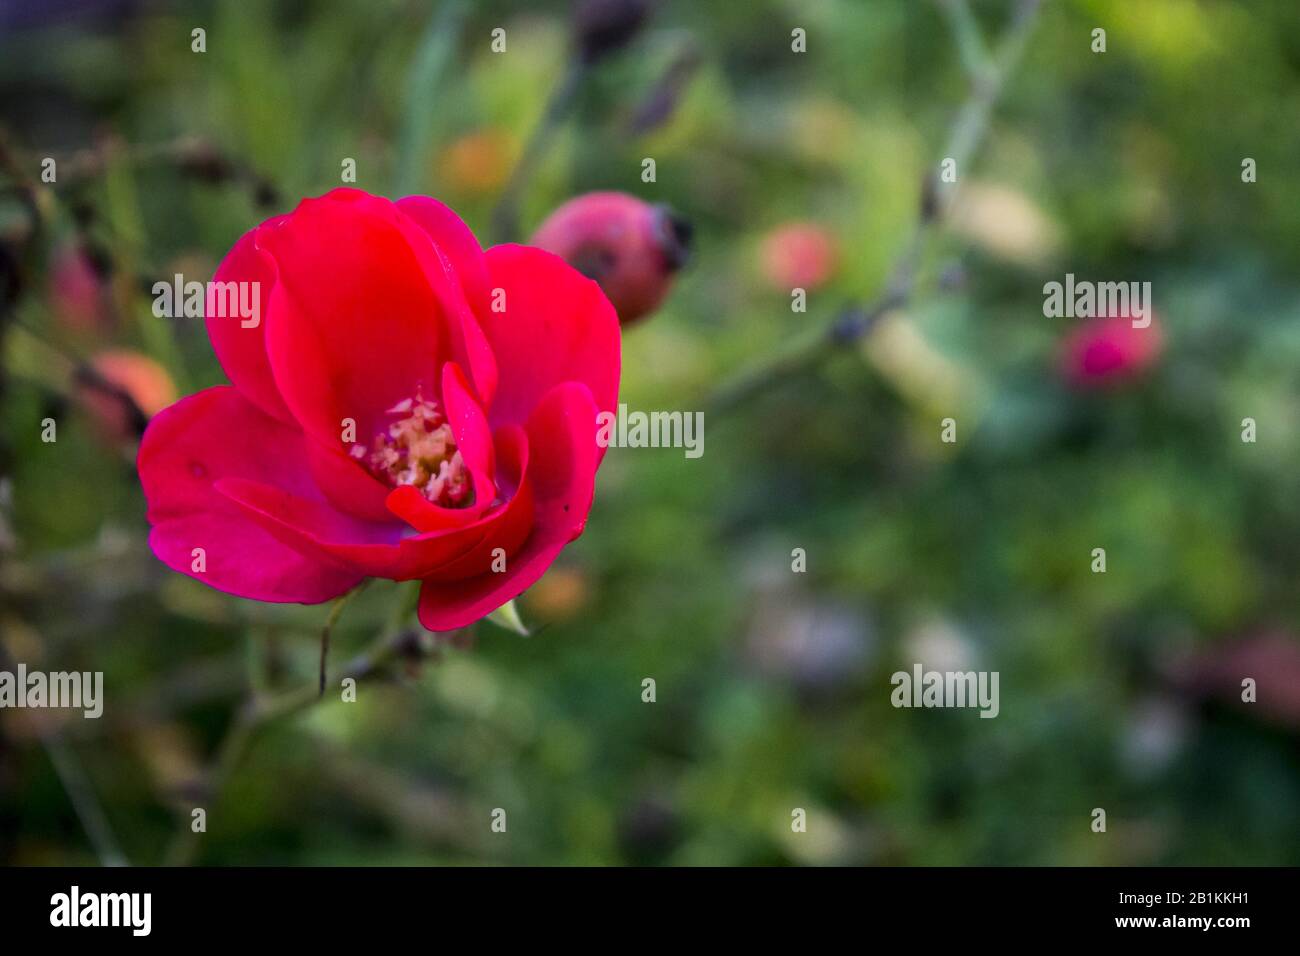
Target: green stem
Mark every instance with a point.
(336, 611)
(970, 44)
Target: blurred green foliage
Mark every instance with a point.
(772, 687)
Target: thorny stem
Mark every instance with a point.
(857, 319)
(192, 155)
(258, 713)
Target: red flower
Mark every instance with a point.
(1107, 351)
(407, 407)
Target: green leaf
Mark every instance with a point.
(419, 116)
(507, 616)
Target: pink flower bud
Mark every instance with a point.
(78, 294)
(1107, 351)
(798, 255)
(120, 388)
(632, 248)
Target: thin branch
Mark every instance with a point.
(82, 794)
(665, 95)
(80, 791)
(191, 155)
(336, 611)
(972, 123)
(258, 713)
(855, 320)
(970, 43)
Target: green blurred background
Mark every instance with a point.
(1118, 690)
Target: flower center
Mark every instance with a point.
(419, 449)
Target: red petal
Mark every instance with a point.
(512, 523)
(557, 326)
(563, 450)
(242, 350)
(459, 259)
(316, 529)
(354, 324)
(455, 241)
(214, 435)
(347, 484)
(468, 425)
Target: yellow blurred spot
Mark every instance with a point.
(560, 594)
(479, 162)
(928, 380)
(1006, 223)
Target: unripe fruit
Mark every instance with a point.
(632, 248)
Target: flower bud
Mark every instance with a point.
(602, 27)
(798, 255)
(78, 293)
(120, 390)
(632, 248)
(1107, 351)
